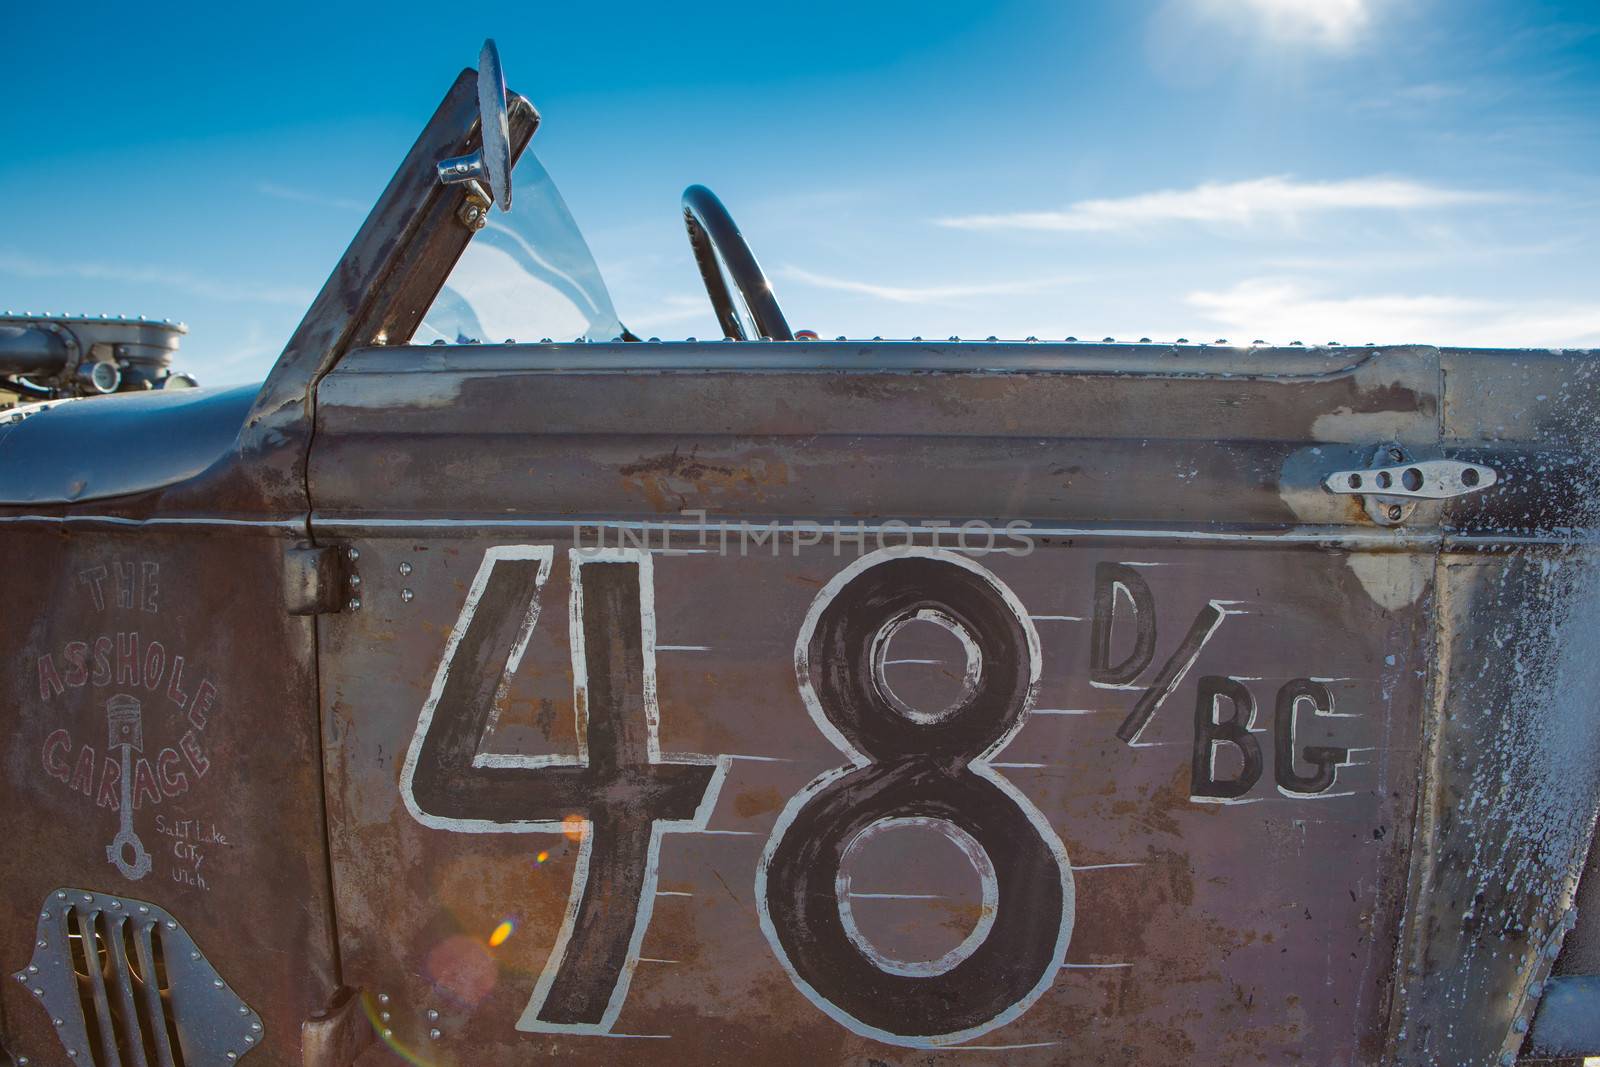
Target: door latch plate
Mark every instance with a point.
(1391, 487)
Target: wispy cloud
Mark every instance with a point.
(1278, 198)
(307, 196)
(928, 294)
(181, 281)
(1279, 309)
(1332, 24)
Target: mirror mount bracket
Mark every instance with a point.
(490, 165)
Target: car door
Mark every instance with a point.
(832, 701)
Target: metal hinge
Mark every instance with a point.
(315, 578)
(1392, 485)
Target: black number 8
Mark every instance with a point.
(925, 767)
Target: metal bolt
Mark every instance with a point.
(255, 1026)
(355, 603)
(1394, 512)
(436, 1033)
(249, 1040)
(387, 1034)
(355, 581)
(244, 1009)
(116, 903)
(383, 998)
(38, 992)
(1396, 455)
(352, 553)
(144, 910)
(61, 894)
(433, 1015)
(195, 954)
(405, 567)
(33, 969)
(87, 899)
(172, 924)
(217, 982)
(384, 1016)
(59, 1022)
(406, 595)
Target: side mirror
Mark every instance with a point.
(492, 162)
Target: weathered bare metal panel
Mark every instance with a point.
(161, 744)
(1225, 762)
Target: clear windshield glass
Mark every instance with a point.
(526, 275)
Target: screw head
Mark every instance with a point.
(435, 1033)
(355, 581)
(406, 595)
(405, 567)
(1396, 455)
(217, 982)
(355, 603)
(1394, 512)
(352, 553)
(383, 998)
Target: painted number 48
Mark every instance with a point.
(903, 767)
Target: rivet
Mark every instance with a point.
(1535, 989)
(1520, 1026)
(33, 969)
(433, 1015)
(116, 903)
(217, 982)
(387, 1034)
(38, 992)
(194, 954)
(87, 899)
(436, 1033)
(355, 603)
(405, 567)
(1396, 455)
(23, 1061)
(143, 910)
(244, 1009)
(355, 581)
(61, 894)
(255, 1026)
(383, 1015)
(42, 944)
(1394, 512)
(352, 553)
(72, 1052)
(1507, 1059)
(59, 1022)
(249, 1040)
(172, 924)
(232, 1055)
(406, 595)
(383, 998)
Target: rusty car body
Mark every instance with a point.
(805, 701)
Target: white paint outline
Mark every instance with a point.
(971, 674)
(1295, 747)
(979, 765)
(1213, 743)
(976, 855)
(644, 907)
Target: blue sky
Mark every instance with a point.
(1352, 170)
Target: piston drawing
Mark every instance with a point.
(126, 730)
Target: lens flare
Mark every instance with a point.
(501, 932)
(541, 857)
(573, 826)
